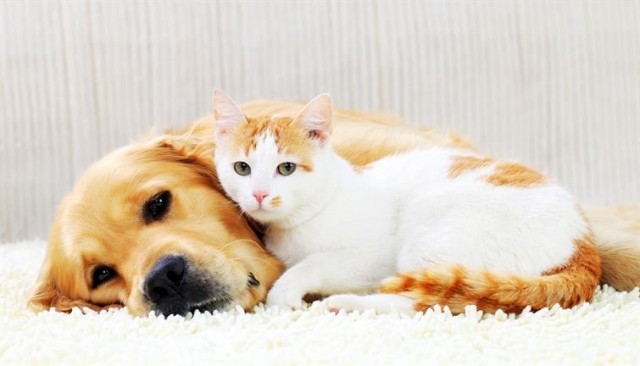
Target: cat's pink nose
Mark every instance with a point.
(259, 196)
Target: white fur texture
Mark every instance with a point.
(603, 332)
(467, 221)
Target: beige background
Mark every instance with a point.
(555, 84)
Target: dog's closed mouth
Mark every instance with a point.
(216, 303)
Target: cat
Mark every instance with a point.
(434, 226)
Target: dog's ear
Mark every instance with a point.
(60, 285)
(194, 147)
(195, 141)
(46, 295)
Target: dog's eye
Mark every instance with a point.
(156, 208)
(102, 274)
(253, 281)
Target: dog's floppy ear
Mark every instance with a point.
(46, 295)
(193, 147)
(195, 141)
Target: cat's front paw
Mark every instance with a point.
(346, 302)
(283, 297)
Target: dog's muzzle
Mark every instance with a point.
(173, 286)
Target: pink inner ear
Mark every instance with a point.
(227, 123)
(227, 114)
(316, 135)
(316, 118)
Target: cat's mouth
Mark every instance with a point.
(257, 208)
(261, 213)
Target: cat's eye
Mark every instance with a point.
(156, 208)
(242, 168)
(286, 168)
(102, 274)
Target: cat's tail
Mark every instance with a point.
(457, 286)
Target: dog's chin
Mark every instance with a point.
(211, 305)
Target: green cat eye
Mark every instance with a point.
(242, 168)
(286, 168)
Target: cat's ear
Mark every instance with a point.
(226, 113)
(316, 118)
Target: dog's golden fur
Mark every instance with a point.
(99, 222)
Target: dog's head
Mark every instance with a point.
(148, 227)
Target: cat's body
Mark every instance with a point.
(469, 221)
(349, 232)
(465, 229)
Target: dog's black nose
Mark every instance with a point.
(165, 278)
(174, 286)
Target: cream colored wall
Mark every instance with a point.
(554, 84)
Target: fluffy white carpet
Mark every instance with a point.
(606, 331)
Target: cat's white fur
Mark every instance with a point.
(340, 231)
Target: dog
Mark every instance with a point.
(149, 227)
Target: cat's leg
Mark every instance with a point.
(380, 303)
(327, 273)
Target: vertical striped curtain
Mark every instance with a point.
(555, 84)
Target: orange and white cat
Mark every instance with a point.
(460, 228)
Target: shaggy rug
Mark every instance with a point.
(606, 331)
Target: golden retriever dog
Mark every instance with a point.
(148, 226)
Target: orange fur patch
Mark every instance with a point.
(276, 201)
(290, 137)
(99, 223)
(464, 164)
(455, 140)
(515, 175)
(457, 286)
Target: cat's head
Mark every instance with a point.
(270, 165)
